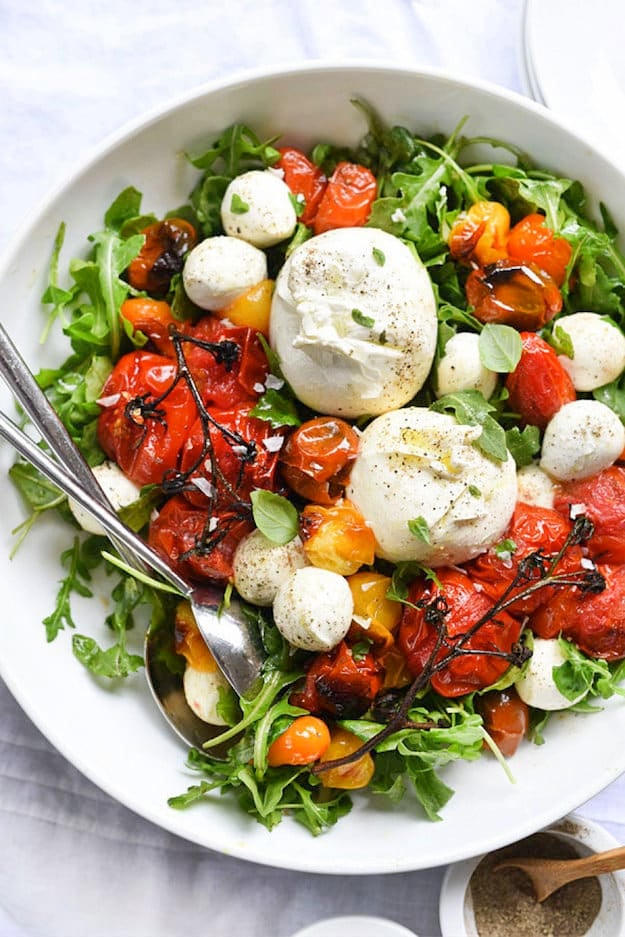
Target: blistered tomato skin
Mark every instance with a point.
(506, 719)
(602, 499)
(317, 458)
(539, 386)
(304, 179)
(481, 233)
(347, 199)
(508, 293)
(340, 683)
(531, 241)
(162, 255)
(337, 537)
(352, 776)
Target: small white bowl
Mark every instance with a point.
(456, 907)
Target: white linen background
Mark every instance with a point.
(74, 863)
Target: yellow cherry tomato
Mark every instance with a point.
(352, 776)
(252, 308)
(336, 537)
(189, 642)
(369, 594)
(481, 233)
(305, 741)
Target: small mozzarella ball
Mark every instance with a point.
(535, 486)
(537, 686)
(260, 566)
(583, 438)
(119, 490)
(201, 690)
(258, 207)
(599, 350)
(219, 269)
(461, 368)
(313, 609)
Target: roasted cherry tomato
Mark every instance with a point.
(303, 178)
(380, 616)
(153, 317)
(228, 362)
(337, 537)
(142, 433)
(539, 385)
(241, 456)
(481, 233)
(197, 545)
(188, 641)
(531, 528)
(459, 606)
(506, 718)
(302, 743)
(594, 621)
(602, 499)
(352, 776)
(514, 294)
(532, 242)
(317, 458)
(347, 200)
(340, 683)
(252, 308)
(166, 244)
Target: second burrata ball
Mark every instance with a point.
(353, 321)
(416, 465)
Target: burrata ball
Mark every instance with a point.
(353, 321)
(427, 491)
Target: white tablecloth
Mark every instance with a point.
(73, 863)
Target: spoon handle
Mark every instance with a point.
(102, 513)
(596, 864)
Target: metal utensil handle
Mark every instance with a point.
(21, 382)
(101, 512)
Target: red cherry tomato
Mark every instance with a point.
(197, 545)
(145, 443)
(532, 242)
(513, 294)
(602, 500)
(153, 317)
(418, 635)
(340, 683)
(303, 178)
(162, 255)
(317, 458)
(531, 528)
(539, 385)
(506, 719)
(234, 380)
(347, 200)
(595, 622)
(237, 461)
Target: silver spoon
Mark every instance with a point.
(233, 642)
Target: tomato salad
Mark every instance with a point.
(379, 393)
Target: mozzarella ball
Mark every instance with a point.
(313, 609)
(535, 486)
(260, 566)
(583, 438)
(416, 463)
(353, 321)
(219, 269)
(461, 368)
(599, 350)
(258, 207)
(201, 690)
(537, 686)
(119, 490)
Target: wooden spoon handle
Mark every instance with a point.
(601, 862)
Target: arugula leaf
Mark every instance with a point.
(78, 576)
(580, 674)
(523, 444)
(274, 516)
(471, 408)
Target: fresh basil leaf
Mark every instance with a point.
(471, 408)
(237, 205)
(500, 348)
(277, 407)
(420, 529)
(560, 341)
(379, 256)
(361, 319)
(274, 516)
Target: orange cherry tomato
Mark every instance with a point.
(513, 294)
(532, 242)
(347, 200)
(317, 458)
(506, 718)
(162, 255)
(352, 776)
(303, 178)
(189, 642)
(336, 537)
(539, 385)
(370, 603)
(481, 233)
(302, 743)
(252, 308)
(153, 317)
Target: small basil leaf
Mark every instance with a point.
(274, 516)
(420, 529)
(500, 348)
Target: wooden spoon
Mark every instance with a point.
(547, 875)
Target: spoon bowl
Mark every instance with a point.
(548, 875)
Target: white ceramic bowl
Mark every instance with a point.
(456, 908)
(115, 735)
